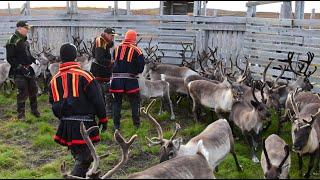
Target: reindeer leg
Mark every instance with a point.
(311, 163)
(316, 168)
(250, 141)
(300, 162)
(161, 104)
(171, 109)
(239, 167)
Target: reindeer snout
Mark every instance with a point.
(296, 148)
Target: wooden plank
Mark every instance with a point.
(284, 31)
(281, 47)
(273, 38)
(269, 21)
(256, 3)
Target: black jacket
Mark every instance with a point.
(128, 58)
(18, 53)
(76, 92)
(102, 67)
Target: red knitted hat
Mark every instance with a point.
(131, 36)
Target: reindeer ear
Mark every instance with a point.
(177, 142)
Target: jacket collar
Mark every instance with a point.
(68, 65)
(20, 35)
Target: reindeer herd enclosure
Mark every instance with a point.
(203, 48)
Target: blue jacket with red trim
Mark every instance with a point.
(128, 59)
(76, 92)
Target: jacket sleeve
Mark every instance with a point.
(140, 63)
(11, 57)
(94, 95)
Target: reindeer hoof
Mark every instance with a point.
(316, 173)
(255, 160)
(173, 117)
(240, 168)
(307, 175)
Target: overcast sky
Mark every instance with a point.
(225, 5)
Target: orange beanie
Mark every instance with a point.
(130, 36)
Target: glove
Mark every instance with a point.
(103, 126)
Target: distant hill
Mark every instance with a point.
(210, 12)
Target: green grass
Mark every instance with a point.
(27, 149)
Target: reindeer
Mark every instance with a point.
(275, 158)
(302, 80)
(155, 89)
(217, 142)
(305, 132)
(218, 97)
(155, 68)
(93, 172)
(249, 116)
(4, 74)
(193, 166)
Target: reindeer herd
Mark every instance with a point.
(239, 100)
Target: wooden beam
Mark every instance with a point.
(9, 9)
(161, 8)
(286, 10)
(299, 10)
(256, 3)
(115, 9)
(128, 8)
(196, 8)
(205, 8)
(27, 8)
(73, 7)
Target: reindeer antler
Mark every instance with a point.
(125, 145)
(158, 139)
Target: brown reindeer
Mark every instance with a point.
(249, 116)
(305, 132)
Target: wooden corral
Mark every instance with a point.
(260, 39)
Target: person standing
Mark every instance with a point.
(20, 59)
(76, 97)
(128, 63)
(101, 68)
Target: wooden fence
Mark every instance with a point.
(261, 39)
(271, 39)
(168, 31)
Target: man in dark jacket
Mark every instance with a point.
(20, 59)
(101, 68)
(129, 62)
(76, 97)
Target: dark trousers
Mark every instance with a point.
(26, 87)
(83, 160)
(135, 106)
(108, 99)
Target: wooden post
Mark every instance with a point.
(205, 8)
(9, 9)
(215, 12)
(27, 8)
(254, 11)
(196, 8)
(115, 9)
(73, 7)
(313, 14)
(161, 8)
(68, 6)
(286, 10)
(299, 10)
(128, 8)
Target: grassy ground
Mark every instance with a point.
(27, 149)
